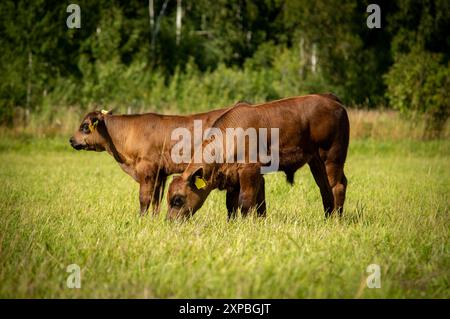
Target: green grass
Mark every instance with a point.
(60, 207)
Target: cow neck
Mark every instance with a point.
(115, 135)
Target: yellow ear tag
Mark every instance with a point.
(104, 112)
(93, 126)
(199, 182)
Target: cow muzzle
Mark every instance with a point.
(76, 145)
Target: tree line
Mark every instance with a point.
(187, 56)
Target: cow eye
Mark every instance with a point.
(177, 201)
(85, 128)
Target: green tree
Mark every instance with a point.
(418, 81)
(418, 86)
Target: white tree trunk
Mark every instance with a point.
(178, 22)
(151, 13)
(30, 71)
(314, 58)
(301, 69)
(157, 25)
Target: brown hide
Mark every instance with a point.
(314, 130)
(141, 145)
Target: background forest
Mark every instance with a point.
(175, 56)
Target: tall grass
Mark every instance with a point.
(60, 207)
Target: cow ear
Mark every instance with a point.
(196, 179)
(99, 116)
(105, 112)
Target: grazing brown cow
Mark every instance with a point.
(141, 145)
(313, 129)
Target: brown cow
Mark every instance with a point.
(141, 145)
(313, 129)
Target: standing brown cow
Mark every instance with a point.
(141, 145)
(313, 129)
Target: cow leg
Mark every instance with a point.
(318, 170)
(157, 193)
(261, 200)
(232, 200)
(145, 189)
(250, 182)
(338, 183)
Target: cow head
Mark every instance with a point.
(92, 134)
(186, 194)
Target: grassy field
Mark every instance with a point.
(60, 207)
